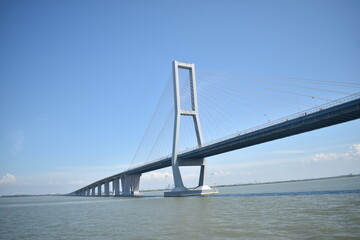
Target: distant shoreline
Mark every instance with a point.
(216, 186)
(287, 181)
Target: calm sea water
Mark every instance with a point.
(321, 209)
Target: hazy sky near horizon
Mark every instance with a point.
(79, 81)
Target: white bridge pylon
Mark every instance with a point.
(179, 189)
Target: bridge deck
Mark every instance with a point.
(305, 122)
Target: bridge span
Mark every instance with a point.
(332, 113)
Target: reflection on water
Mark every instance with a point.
(319, 209)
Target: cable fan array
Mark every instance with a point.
(230, 103)
(233, 102)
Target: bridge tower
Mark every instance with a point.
(180, 190)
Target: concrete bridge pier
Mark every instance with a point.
(99, 190)
(124, 187)
(130, 185)
(93, 191)
(116, 187)
(135, 184)
(106, 188)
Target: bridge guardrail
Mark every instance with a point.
(287, 118)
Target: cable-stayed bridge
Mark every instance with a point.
(200, 115)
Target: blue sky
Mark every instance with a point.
(79, 81)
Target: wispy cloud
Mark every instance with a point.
(93, 168)
(156, 175)
(352, 154)
(54, 183)
(221, 173)
(18, 139)
(78, 182)
(290, 152)
(8, 179)
(263, 163)
(71, 175)
(190, 176)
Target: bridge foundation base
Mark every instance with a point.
(184, 192)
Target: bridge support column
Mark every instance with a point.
(99, 190)
(125, 188)
(106, 188)
(130, 185)
(203, 175)
(116, 187)
(180, 190)
(135, 184)
(88, 192)
(93, 191)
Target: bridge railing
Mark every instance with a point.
(265, 125)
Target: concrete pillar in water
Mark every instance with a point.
(130, 185)
(106, 186)
(125, 186)
(135, 184)
(99, 190)
(116, 187)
